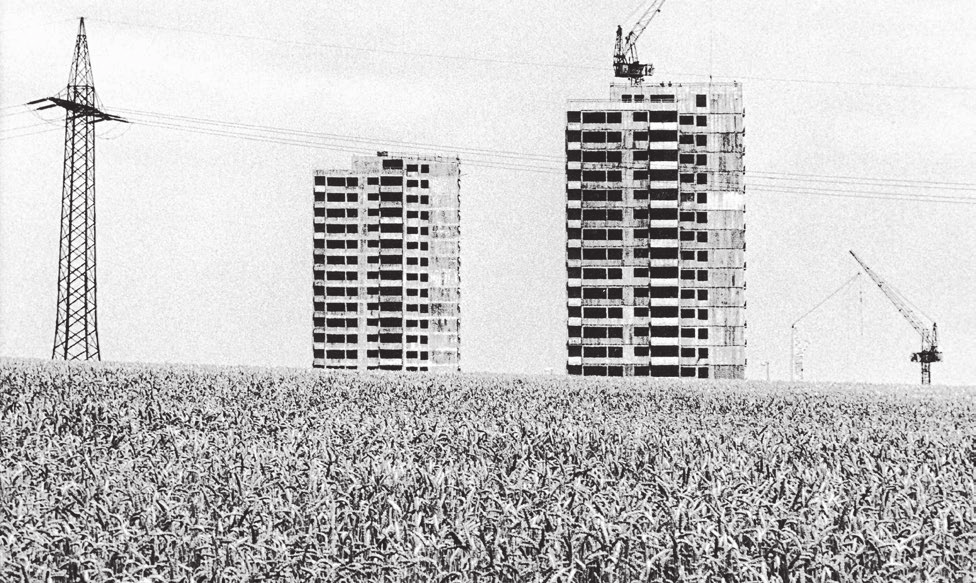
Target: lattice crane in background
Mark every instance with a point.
(625, 63)
(796, 346)
(930, 337)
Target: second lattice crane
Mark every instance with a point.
(930, 337)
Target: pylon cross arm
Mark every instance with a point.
(80, 109)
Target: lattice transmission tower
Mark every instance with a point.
(76, 331)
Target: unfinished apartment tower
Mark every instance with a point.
(655, 224)
(387, 265)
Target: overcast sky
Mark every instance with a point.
(204, 241)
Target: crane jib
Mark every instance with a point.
(930, 338)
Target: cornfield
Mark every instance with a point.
(166, 473)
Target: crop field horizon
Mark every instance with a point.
(131, 472)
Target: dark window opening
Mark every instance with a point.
(663, 194)
(663, 214)
(663, 116)
(663, 136)
(664, 351)
(664, 311)
(669, 175)
(664, 292)
(664, 331)
(594, 117)
(664, 272)
(663, 233)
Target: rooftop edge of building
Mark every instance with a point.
(639, 95)
(359, 161)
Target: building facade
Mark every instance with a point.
(386, 270)
(655, 224)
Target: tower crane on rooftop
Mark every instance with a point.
(625, 63)
(930, 338)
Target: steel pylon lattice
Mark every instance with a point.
(76, 330)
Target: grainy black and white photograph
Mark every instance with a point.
(578, 292)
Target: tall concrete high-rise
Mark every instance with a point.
(655, 224)
(387, 264)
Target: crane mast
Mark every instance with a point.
(930, 337)
(625, 62)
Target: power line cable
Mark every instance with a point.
(786, 189)
(835, 182)
(776, 181)
(874, 196)
(11, 137)
(534, 64)
(136, 114)
(557, 161)
(23, 127)
(357, 149)
(37, 25)
(905, 180)
(492, 163)
(362, 49)
(787, 185)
